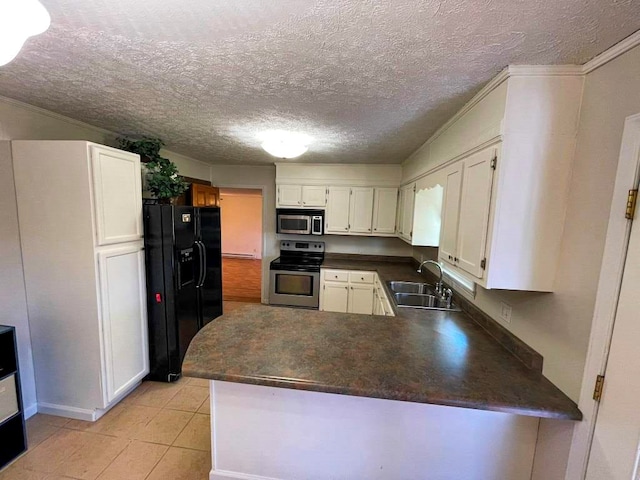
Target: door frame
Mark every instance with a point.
(609, 284)
(264, 265)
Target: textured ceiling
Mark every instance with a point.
(370, 81)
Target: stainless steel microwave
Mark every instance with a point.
(299, 221)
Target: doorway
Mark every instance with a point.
(241, 219)
(606, 444)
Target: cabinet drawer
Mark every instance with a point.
(8, 398)
(336, 275)
(362, 277)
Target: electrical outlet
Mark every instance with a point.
(505, 312)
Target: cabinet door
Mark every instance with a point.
(204, 195)
(337, 214)
(289, 196)
(123, 318)
(384, 210)
(406, 220)
(313, 196)
(335, 297)
(361, 210)
(377, 304)
(361, 299)
(475, 201)
(450, 213)
(117, 191)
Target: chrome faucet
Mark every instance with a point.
(439, 284)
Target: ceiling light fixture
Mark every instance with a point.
(283, 144)
(19, 20)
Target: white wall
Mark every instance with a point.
(23, 122)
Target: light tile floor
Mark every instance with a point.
(159, 432)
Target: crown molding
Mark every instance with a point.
(618, 49)
(546, 70)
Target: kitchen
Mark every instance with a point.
(556, 325)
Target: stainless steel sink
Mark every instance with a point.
(429, 302)
(412, 287)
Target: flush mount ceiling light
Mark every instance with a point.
(19, 20)
(283, 144)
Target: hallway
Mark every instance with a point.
(241, 279)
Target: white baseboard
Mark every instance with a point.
(69, 412)
(30, 411)
(226, 475)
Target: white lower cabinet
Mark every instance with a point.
(353, 292)
(335, 297)
(361, 299)
(124, 318)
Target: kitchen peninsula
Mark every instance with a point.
(308, 394)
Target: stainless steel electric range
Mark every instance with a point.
(295, 275)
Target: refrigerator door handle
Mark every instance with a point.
(203, 263)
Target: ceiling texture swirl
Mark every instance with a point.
(369, 81)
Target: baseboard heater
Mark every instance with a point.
(249, 256)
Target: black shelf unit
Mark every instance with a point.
(13, 436)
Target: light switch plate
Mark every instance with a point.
(505, 312)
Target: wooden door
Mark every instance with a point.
(117, 192)
(361, 299)
(475, 201)
(123, 317)
(337, 213)
(314, 196)
(384, 210)
(335, 297)
(361, 210)
(450, 213)
(289, 195)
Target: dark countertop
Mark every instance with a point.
(442, 358)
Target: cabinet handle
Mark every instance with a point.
(351, 288)
(335, 276)
(361, 278)
(455, 259)
(375, 229)
(346, 288)
(304, 203)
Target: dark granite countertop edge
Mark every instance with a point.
(299, 384)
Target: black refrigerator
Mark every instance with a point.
(184, 281)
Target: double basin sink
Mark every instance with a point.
(420, 295)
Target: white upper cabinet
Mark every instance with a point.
(466, 211)
(117, 197)
(314, 196)
(359, 199)
(384, 210)
(503, 227)
(290, 195)
(475, 200)
(451, 213)
(361, 210)
(302, 196)
(337, 213)
(405, 212)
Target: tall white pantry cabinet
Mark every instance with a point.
(80, 216)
